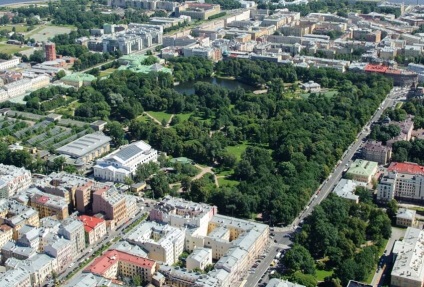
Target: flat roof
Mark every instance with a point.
(84, 145)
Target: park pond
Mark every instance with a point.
(188, 87)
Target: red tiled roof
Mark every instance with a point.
(90, 222)
(101, 264)
(376, 68)
(406, 167)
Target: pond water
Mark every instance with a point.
(188, 87)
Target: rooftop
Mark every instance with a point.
(90, 222)
(84, 145)
(406, 213)
(111, 257)
(362, 167)
(406, 167)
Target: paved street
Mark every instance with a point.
(387, 259)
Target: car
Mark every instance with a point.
(275, 240)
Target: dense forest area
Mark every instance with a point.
(339, 236)
(292, 143)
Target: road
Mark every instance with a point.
(386, 258)
(282, 235)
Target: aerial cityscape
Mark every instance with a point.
(217, 143)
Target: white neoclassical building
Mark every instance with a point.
(123, 162)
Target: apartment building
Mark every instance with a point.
(7, 64)
(13, 180)
(178, 212)
(28, 237)
(40, 267)
(48, 204)
(17, 215)
(114, 263)
(14, 250)
(402, 181)
(146, 4)
(346, 188)
(163, 242)
(110, 202)
(199, 258)
(18, 88)
(95, 228)
(61, 249)
(40, 82)
(6, 234)
(275, 282)
(123, 162)
(15, 278)
(376, 151)
(362, 170)
(74, 230)
(408, 268)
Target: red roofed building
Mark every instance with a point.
(116, 263)
(372, 68)
(406, 168)
(95, 228)
(399, 77)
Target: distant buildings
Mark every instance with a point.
(408, 268)
(200, 11)
(123, 162)
(275, 282)
(78, 80)
(311, 87)
(7, 64)
(362, 170)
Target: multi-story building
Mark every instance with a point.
(131, 206)
(109, 201)
(40, 267)
(199, 258)
(163, 242)
(376, 151)
(123, 162)
(346, 188)
(28, 237)
(146, 4)
(48, 204)
(195, 10)
(14, 250)
(87, 147)
(6, 234)
(18, 88)
(7, 64)
(73, 230)
(402, 181)
(13, 180)
(15, 278)
(94, 227)
(17, 215)
(40, 82)
(362, 170)
(61, 249)
(116, 263)
(180, 213)
(408, 268)
(406, 217)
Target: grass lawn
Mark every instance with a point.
(321, 274)
(143, 118)
(19, 28)
(160, 116)
(328, 94)
(237, 150)
(12, 49)
(69, 109)
(184, 117)
(107, 72)
(225, 173)
(227, 182)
